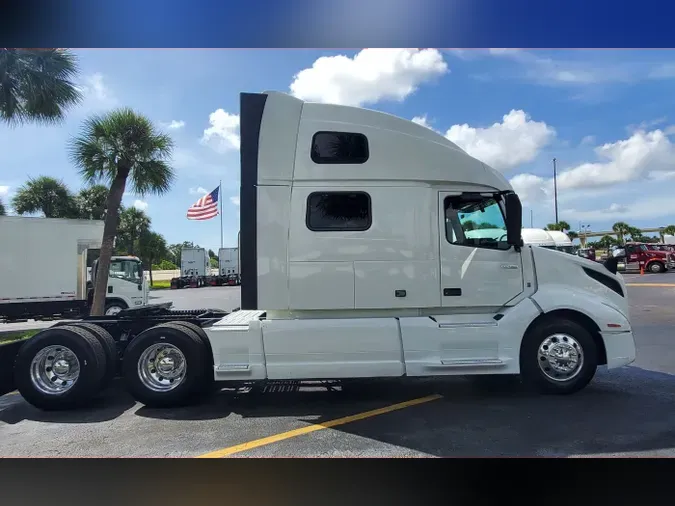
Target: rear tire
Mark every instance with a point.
(60, 368)
(110, 347)
(209, 380)
(164, 366)
(558, 356)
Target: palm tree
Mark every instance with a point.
(606, 241)
(133, 224)
(561, 225)
(120, 147)
(91, 202)
(36, 84)
(669, 230)
(572, 235)
(3, 211)
(621, 228)
(45, 195)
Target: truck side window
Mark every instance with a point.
(476, 223)
(339, 147)
(338, 211)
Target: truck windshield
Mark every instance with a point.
(127, 269)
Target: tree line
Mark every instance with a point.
(117, 150)
(624, 232)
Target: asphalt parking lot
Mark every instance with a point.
(630, 411)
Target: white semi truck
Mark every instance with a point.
(562, 241)
(356, 263)
(46, 265)
(228, 266)
(195, 268)
(538, 237)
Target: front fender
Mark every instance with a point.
(603, 312)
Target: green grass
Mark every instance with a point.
(10, 337)
(161, 284)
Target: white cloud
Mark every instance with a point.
(223, 134)
(626, 160)
(530, 188)
(4, 190)
(587, 140)
(95, 87)
(645, 156)
(422, 120)
(174, 125)
(140, 205)
(648, 208)
(516, 140)
(198, 191)
(235, 200)
(370, 76)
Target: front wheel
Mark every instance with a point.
(657, 267)
(558, 357)
(113, 308)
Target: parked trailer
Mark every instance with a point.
(356, 265)
(228, 266)
(562, 241)
(45, 268)
(195, 269)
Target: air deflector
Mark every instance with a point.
(251, 107)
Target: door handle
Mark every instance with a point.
(509, 266)
(452, 292)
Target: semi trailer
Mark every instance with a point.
(358, 260)
(46, 266)
(562, 241)
(228, 266)
(195, 268)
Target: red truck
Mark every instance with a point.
(653, 260)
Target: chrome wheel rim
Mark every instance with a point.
(54, 370)
(162, 367)
(560, 357)
(113, 310)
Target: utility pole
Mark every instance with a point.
(555, 190)
(531, 218)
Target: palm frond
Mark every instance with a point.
(37, 85)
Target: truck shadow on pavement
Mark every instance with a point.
(626, 410)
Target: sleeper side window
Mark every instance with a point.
(339, 211)
(339, 148)
(476, 222)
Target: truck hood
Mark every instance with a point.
(563, 269)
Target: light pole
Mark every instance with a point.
(555, 190)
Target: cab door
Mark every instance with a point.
(478, 267)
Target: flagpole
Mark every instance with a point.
(220, 197)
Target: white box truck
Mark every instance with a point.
(228, 266)
(45, 265)
(357, 262)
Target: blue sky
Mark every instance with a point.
(607, 116)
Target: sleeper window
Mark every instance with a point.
(476, 223)
(339, 148)
(338, 211)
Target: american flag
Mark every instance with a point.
(205, 208)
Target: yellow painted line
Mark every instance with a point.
(313, 428)
(661, 285)
(13, 393)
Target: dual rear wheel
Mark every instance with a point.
(65, 367)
